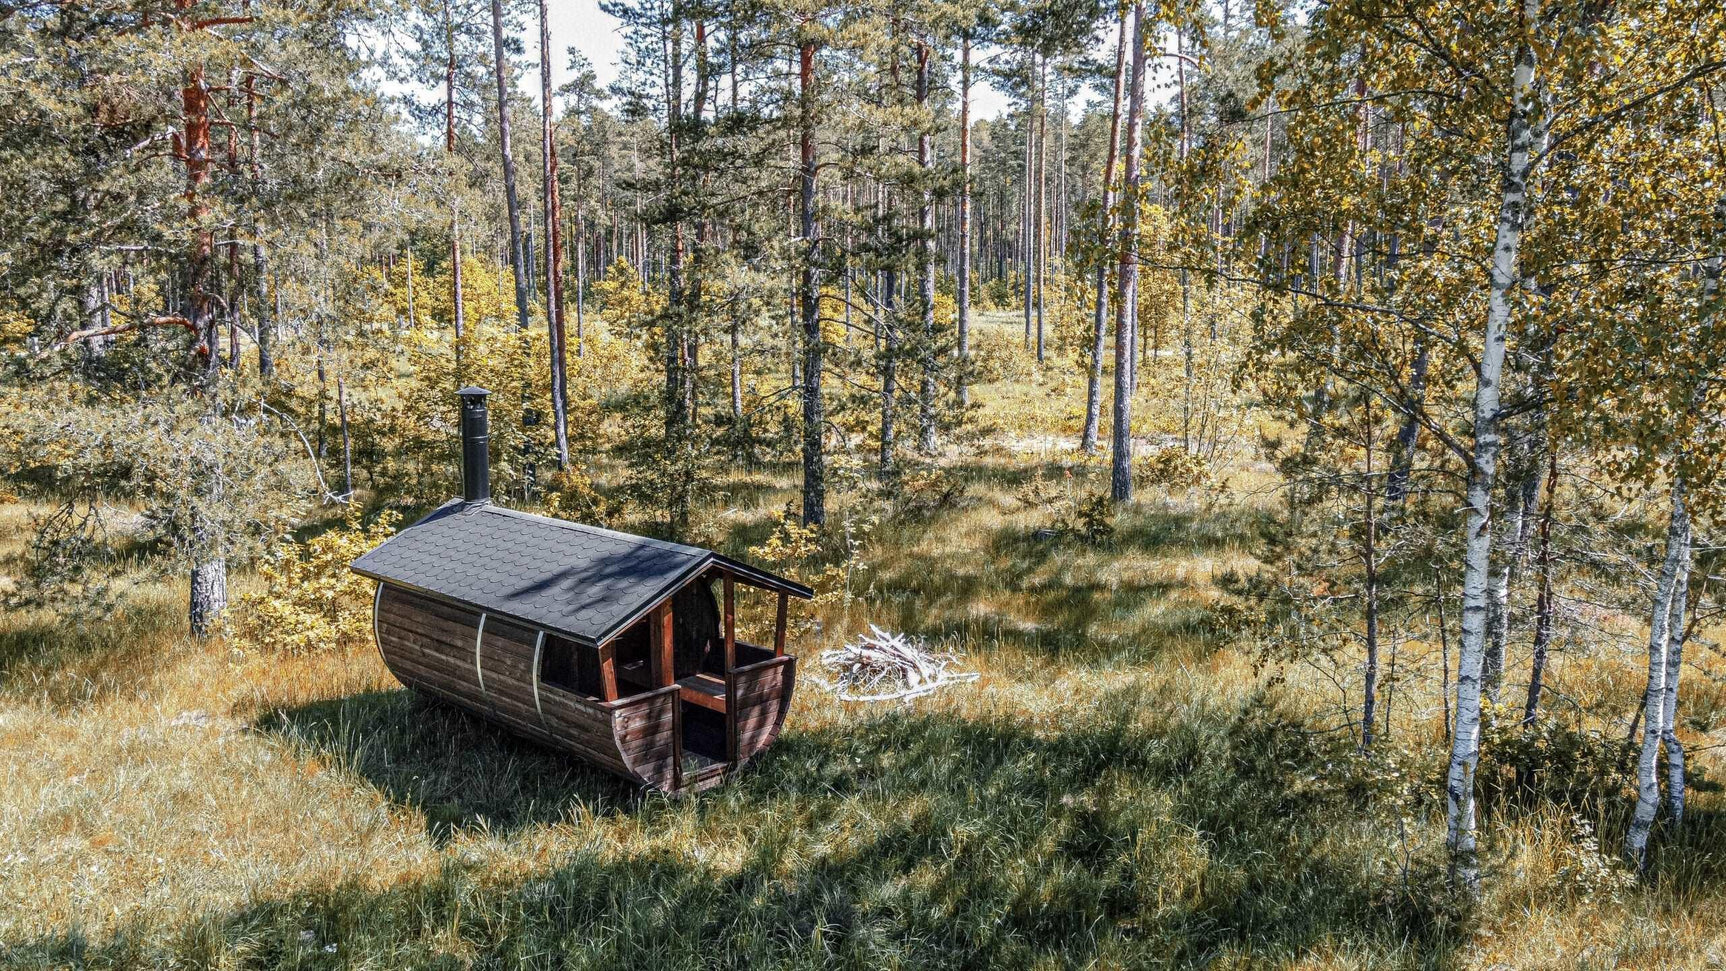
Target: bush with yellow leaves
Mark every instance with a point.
(825, 561)
(570, 494)
(1173, 468)
(310, 600)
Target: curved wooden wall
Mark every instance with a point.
(760, 698)
(489, 666)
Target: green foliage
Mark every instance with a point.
(997, 357)
(309, 600)
(68, 562)
(1071, 319)
(998, 293)
(1554, 761)
(923, 490)
(1072, 509)
(1173, 468)
(570, 494)
(803, 554)
(213, 475)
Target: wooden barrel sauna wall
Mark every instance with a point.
(760, 699)
(491, 666)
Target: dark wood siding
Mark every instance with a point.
(433, 646)
(760, 697)
(487, 666)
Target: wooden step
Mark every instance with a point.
(701, 773)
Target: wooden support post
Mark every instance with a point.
(779, 625)
(608, 673)
(730, 624)
(677, 747)
(661, 657)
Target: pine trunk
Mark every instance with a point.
(809, 297)
(1027, 234)
(926, 262)
(1040, 224)
(209, 596)
(1100, 313)
(347, 440)
(263, 319)
(517, 261)
(964, 271)
(553, 249)
(457, 318)
(209, 577)
(1127, 282)
(889, 374)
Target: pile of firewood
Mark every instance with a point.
(889, 667)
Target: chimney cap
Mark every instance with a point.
(473, 392)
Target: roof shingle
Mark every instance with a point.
(580, 581)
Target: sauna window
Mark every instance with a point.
(567, 666)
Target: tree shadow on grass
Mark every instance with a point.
(1059, 597)
(1143, 832)
(457, 770)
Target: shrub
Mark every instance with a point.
(923, 491)
(998, 357)
(311, 600)
(1173, 468)
(825, 561)
(570, 494)
(68, 562)
(1090, 518)
(999, 293)
(1552, 761)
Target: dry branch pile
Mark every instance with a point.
(889, 667)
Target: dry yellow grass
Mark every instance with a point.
(1120, 789)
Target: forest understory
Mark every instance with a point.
(1131, 783)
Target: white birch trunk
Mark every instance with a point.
(1654, 698)
(1675, 783)
(1477, 560)
(1509, 546)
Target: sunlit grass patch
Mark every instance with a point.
(1124, 786)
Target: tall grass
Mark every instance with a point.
(1124, 788)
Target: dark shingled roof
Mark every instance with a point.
(582, 582)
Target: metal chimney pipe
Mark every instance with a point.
(475, 446)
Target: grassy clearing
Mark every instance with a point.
(1123, 788)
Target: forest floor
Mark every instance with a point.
(1124, 787)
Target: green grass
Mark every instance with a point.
(1144, 829)
(1124, 787)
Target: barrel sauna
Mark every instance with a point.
(620, 650)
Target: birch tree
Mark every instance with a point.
(1477, 555)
